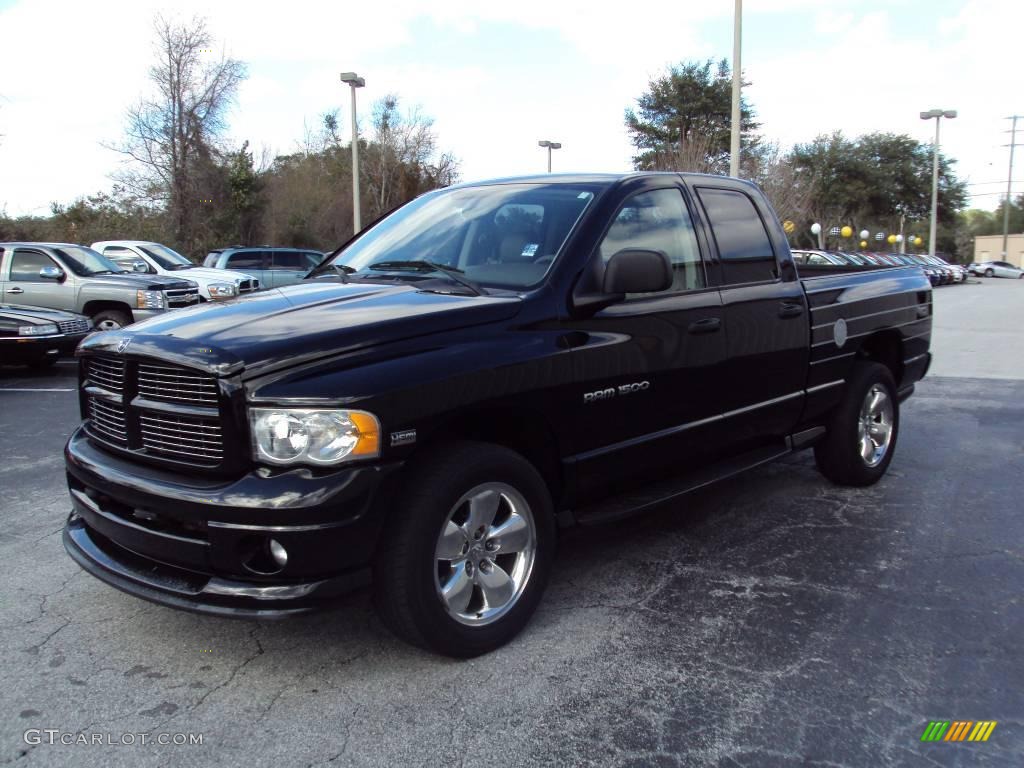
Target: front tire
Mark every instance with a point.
(990, 273)
(466, 555)
(110, 320)
(862, 432)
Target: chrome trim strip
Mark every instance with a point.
(919, 336)
(873, 330)
(683, 427)
(834, 357)
(829, 385)
(276, 528)
(915, 358)
(870, 314)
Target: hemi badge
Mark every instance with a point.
(405, 437)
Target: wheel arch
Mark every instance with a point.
(523, 430)
(93, 308)
(885, 347)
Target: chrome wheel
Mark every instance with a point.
(875, 425)
(485, 554)
(108, 325)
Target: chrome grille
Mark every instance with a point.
(182, 297)
(108, 420)
(198, 440)
(107, 373)
(171, 383)
(74, 326)
(248, 286)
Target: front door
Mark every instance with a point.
(25, 286)
(648, 368)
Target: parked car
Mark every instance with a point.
(997, 269)
(818, 258)
(214, 284)
(75, 278)
(37, 337)
(484, 364)
(933, 273)
(273, 267)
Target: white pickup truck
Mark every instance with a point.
(214, 284)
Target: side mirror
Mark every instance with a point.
(140, 266)
(632, 270)
(51, 273)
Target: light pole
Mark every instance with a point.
(354, 81)
(938, 114)
(734, 140)
(550, 145)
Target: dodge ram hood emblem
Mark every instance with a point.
(122, 345)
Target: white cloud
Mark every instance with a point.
(857, 72)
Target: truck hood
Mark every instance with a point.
(280, 328)
(207, 275)
(139, 281)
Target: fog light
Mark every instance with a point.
(279, 553)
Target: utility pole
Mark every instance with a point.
(1009, 187)
(737, 77)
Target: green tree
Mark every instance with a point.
(683, 121)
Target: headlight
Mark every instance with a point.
(313, 436)
(150, 299)
(46, 329)
(221, 290)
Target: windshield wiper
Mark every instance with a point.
(456, 274)
(343, 270)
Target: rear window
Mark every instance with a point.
(743, 243)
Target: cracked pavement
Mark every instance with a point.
(775, 620)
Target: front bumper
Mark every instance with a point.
(195, 543)
(27, 349)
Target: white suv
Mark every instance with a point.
(214, 284)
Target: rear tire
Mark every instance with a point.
(863, 429)
(110, 320)
(466, 554)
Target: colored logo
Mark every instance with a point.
(958, 730)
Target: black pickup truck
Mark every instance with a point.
(483, 366)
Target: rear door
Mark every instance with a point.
(287, 267)
(649, 369)
(766, 318)
(25, 286)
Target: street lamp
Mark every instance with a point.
(354, 81)
(550, 145)
(938, 114)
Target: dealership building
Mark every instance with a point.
(990, 248)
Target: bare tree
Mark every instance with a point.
(174, 136)
(789, 189)
(402, 159)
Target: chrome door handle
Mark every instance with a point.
(790, 309)
(15, 290)
(707, 325)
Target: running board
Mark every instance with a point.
(634, 502)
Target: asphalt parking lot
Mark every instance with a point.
(774, 621)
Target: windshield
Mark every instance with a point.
(165, 257)
(505, 235)
(85, 261)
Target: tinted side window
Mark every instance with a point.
(743, 243)
(658, 221)
(25, 266)
(245, 260)
(285, 260)
(312, 259)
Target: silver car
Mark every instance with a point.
(997, 269)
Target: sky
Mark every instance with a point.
(498, 77)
